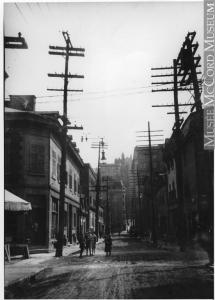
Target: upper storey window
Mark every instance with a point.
(37, 159)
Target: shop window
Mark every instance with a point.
(65, 214)
(54, 217)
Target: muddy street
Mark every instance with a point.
(135, 270)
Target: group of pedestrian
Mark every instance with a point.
(88, 242)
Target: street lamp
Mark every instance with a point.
(100, 145)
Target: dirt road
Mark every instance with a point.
(135, 270)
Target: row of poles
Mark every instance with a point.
(184, 74)
(68, 51)
(184, 67)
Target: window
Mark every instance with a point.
(66, 177)
(54, 217)
(70, 180)
(58, 168)
(75, 185)
(37, 158)
(54, 164)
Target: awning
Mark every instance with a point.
(15, 203)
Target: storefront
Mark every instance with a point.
(16, 223)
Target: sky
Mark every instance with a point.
(122, 42)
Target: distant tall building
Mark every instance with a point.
(140, 190)
(115, 196)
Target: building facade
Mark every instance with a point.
(32, 170)
(113, 197)
(144, 202)
(88, 185)
(197, 177)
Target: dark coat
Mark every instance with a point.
(82, 242)
(108, 244)
(87, 240)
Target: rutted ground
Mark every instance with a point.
(133, 271)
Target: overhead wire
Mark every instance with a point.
(21, 13)
(102, 96)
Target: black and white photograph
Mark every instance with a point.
(108, 160)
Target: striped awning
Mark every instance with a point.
(15, 203)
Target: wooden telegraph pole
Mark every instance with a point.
(177, 132)
(184, 73)
(108, 225)
(149, 140)
(67, 51)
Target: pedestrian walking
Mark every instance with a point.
(108, 245)
(81, 244)
(93, 241)
(88, 243)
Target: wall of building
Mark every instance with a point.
(28, 173)
(72, 193)
(32, 172)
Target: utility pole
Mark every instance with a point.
(105, 188)
(178, 160)
(149, 140)
(154, 233)
(100, 145)
(189, 63)
(179, 166)
(98, 193)
(138, 178)
(184, 73)
(138, 185)
(65, 51)
(108, 225)
(107, 214)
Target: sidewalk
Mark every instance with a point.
(26, 269)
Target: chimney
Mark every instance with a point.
(23, 102)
